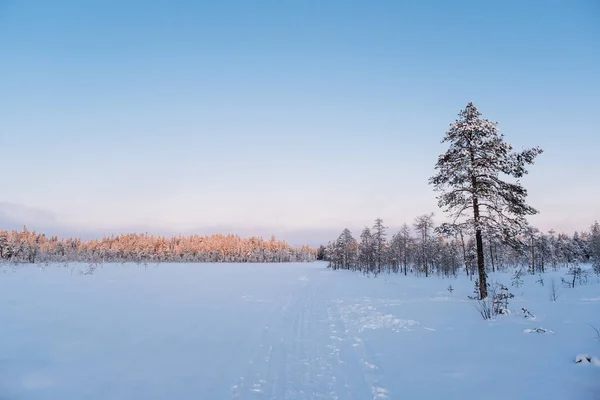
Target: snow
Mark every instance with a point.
(286, 331)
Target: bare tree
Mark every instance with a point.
(423, 225)
(366, 250)
(379, 244)
(406, 240)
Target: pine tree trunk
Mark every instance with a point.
(462, 241)
(478, 238)
(479, 243)
(481, 265)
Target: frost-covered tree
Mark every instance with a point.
(395, 252)
(469, 177)
(346, 250)
(449, 258)
(576, 252)
(594, 246)
(366, 250)
(330, 255)
(379, 244)
(552, 250)
(4, 245)
(321, 253)
(405, 243)
(543, 252)
(423, 224)
(532, 237)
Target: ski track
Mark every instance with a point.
(311, 349)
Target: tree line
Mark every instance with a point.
(29, 246)
(420, 249)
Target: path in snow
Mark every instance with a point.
(308, 351)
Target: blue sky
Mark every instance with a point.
(293, 117)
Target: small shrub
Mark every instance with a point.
(91, 268)
(496, 303)
(553, 290)
(540, 280)
(566, 283)
(476, 291)
(450, 289)
(579, 276)
(527, 313)
(485, 309)
(597, 332)
(517, 278)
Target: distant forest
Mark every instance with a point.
(29, 246)
(418, 249)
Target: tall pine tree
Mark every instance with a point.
(469, 177)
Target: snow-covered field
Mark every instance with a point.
(286, 331)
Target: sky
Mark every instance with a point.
(297, 118)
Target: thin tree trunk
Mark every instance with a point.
(478, 238)
(532, 257)
(492, 256)
(462, 242)
(405, 256)
(425, 262)
(425, 253)
(498, 263)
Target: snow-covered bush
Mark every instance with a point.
(496, 303)
(500, 297)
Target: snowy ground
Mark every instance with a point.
(291, 331)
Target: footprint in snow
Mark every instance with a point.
(371, 366)
(380, 393)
